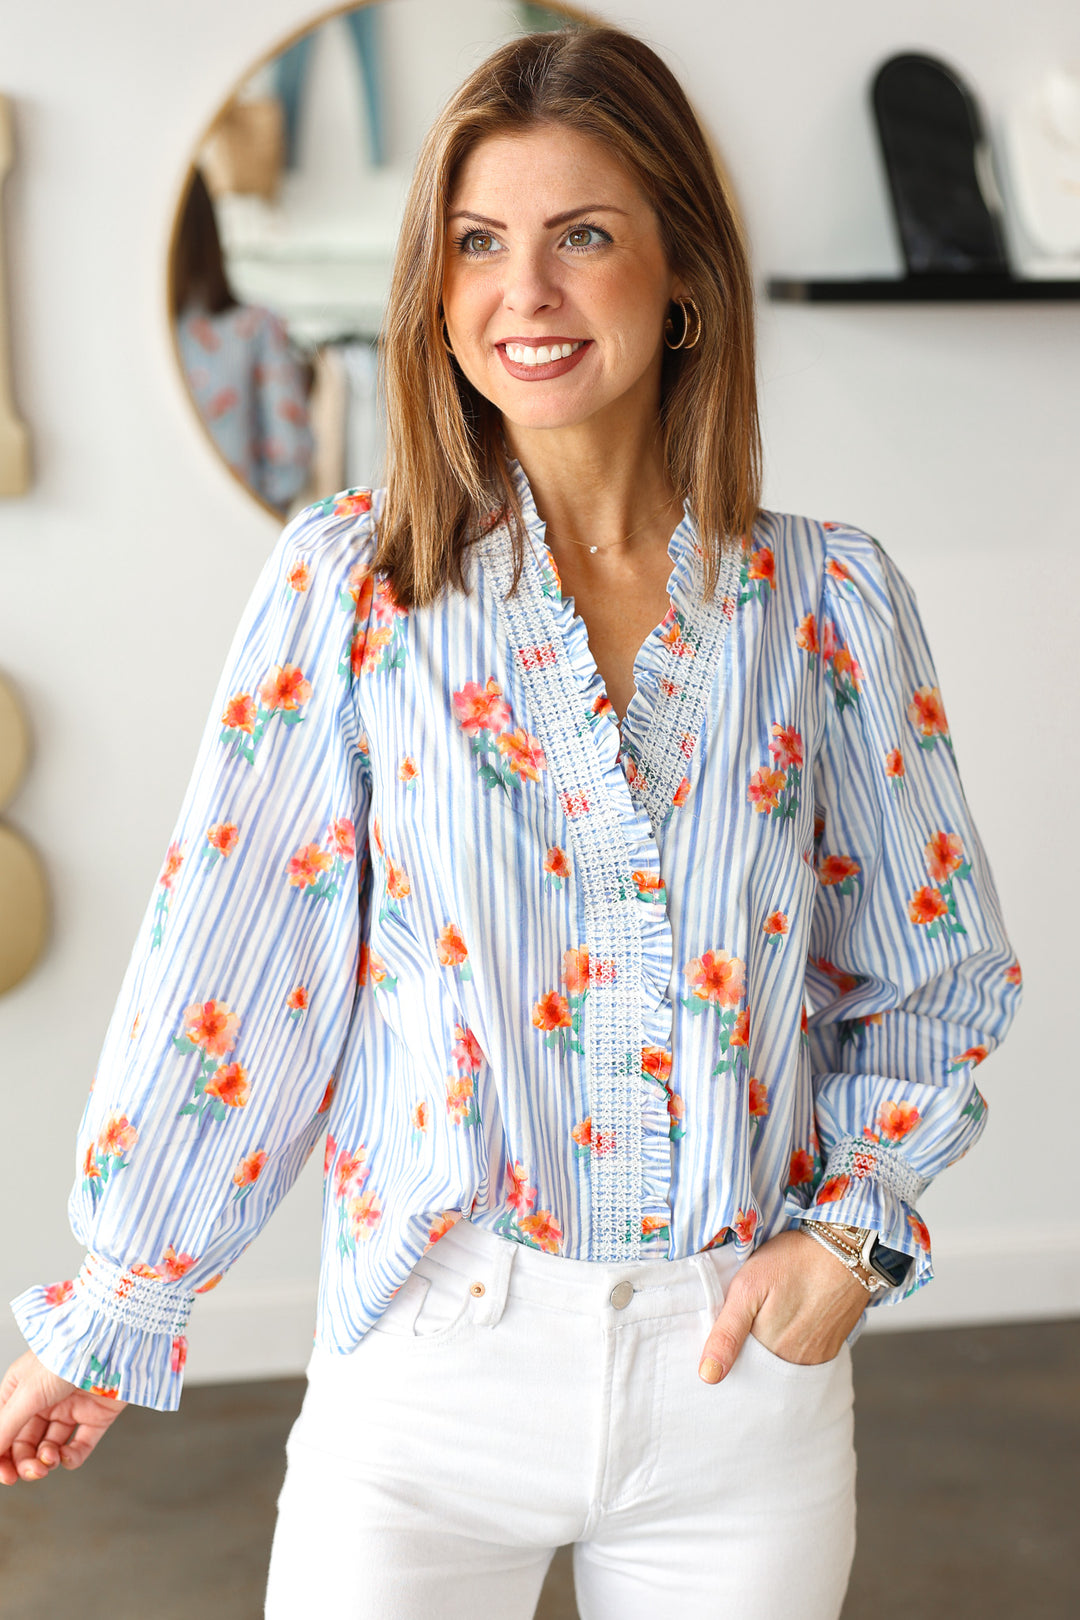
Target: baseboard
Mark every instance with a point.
(266, 1332)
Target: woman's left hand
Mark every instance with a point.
(795, 1297)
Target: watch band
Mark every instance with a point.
(852, 1246)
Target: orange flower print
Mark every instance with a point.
(944, 856)
(671, 634)
(894, 764)
(718, 1239)
(895, 1120)
(786, 746)
(421, 1117)
(117, 1136)
(441, 1225)
(481, 708)
(297, 1002)
(973, 1055)
(765, 788)
(173, 861)
(212, 1027)
(745, 1225)
(90, 1166)
(557, 866)
(775, 926)
(342, 838)
(349, 1172)
(758, 1097)
(843, 981)
(590, 1141)
(716, 978)
(801, 1168)
(461, 1101)
(248, 1171)
(329, 1152)
(551, 1013)
(172, 1266)
(408, 771)
(519, 1195)
(682, 793)
(221, 839)
(839, 872)
(574, 803)
(918, 1231)
(328, 1095)
(397, 880)
(307, 865)
(806, 636)
(1014, 975)
(927, 714)
(676, 1110)
(365, 1213)
(240, 713)
(832, 1189)
(844, 672)
(284, 688)
(654, 1228)
(452, 952)
(758, 575)
(467, 1051)
(229, 1084)
(575, 970)
(298, 577)
(208, 1286)
(59, 1293)
(650, 887)
(380, 973)
(523, 754)
(656, 1061)
(100, 1381)
(350, 503)
(178, 1354)
(927, 905)
(838, 571)
(541, 1231)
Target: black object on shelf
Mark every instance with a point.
(924, 289)
(944, 198)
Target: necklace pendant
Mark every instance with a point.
(593, 548)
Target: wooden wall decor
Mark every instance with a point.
(24, 903)
(14, 440)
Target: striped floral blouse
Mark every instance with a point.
(608, 994)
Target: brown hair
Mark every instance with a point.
(198, 268)
(446, 467)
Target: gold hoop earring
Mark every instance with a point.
(691, 330)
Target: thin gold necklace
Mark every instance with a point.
(643, 524)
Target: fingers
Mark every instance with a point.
(29, 1396)
(728, 1333)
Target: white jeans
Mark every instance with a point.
(510, 1402)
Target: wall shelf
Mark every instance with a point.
(923, 289)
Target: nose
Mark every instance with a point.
(531, 285)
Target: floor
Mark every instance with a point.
(969, 1481)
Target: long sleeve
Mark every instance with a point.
(219, 1061)
(285, 444)
(912, 979)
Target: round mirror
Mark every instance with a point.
(284, 235)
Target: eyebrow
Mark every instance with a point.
(549, 224)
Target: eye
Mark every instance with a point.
(476, 244)
(583, 238)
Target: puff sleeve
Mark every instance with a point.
(911, 976)
(219, 1061)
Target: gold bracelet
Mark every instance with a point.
(848, 1244)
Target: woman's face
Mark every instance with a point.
(552, 246)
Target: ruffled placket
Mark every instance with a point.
(611, 816)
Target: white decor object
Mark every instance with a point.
(1041, 143)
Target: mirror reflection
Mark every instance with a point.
(284, 238)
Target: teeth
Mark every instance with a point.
(522, 355)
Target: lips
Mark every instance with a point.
(538, 361)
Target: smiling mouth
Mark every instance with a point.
(522, 354)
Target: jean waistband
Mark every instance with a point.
(659, 1287)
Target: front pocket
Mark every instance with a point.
(429, 1304)
(794, 1369)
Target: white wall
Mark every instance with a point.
(949, 433)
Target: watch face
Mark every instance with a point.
(891, 1264)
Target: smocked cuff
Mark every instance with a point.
(111, 1331)
(868, 1185)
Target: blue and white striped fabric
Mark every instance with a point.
(526, 970)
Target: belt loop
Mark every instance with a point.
(490, 1306)
(711, 1286)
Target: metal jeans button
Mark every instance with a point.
(622, 1294)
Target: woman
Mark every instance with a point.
(247, 383)
(629, 765)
